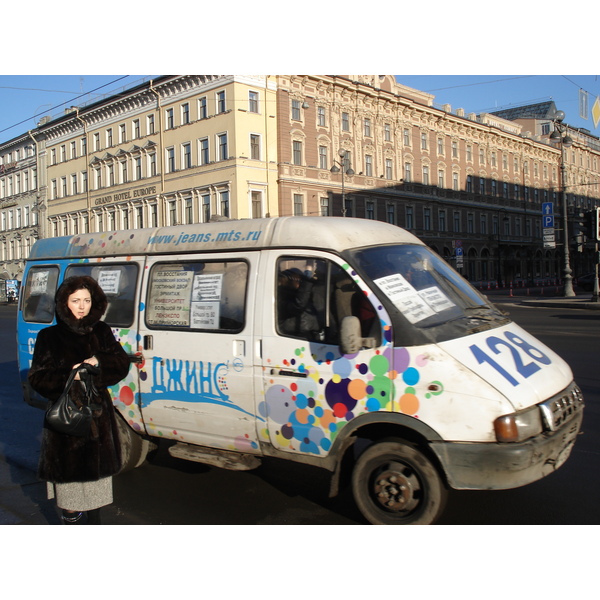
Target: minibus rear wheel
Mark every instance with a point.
(393, 483)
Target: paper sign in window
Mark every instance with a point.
(109, 281)
(170, 301)
(405, 297)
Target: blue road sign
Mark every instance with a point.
(547, 208)
(548, 221)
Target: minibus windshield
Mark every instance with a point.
(425, 294)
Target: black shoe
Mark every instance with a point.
(71, 518)
(93, 517)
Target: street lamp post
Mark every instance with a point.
(565, 142)
(348, 171)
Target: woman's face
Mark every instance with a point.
(80, 303)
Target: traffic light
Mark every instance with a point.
(593, 224)
(580, 230)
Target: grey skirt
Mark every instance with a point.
(81, 496)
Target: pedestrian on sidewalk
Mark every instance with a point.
(79, 470)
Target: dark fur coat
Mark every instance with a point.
(66, 458)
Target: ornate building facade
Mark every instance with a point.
(372, 148)
(185, 149)
(21, 219)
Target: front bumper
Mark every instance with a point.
(494, 466)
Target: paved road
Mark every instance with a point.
(169, 491)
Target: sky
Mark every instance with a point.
(25, 99)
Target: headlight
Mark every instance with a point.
(518, 426)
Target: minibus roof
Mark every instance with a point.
(327, 233)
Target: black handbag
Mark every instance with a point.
(64, 415)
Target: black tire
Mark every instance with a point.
(134, 448)
(395, 484)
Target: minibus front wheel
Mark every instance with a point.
(393, 483)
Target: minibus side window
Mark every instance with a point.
(118, 281)
(207, 295)
(38, 295)
(314, 295)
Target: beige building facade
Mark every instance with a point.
(21, 219)
(190, 148)
(174, 150)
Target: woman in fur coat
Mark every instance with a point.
(79, 469)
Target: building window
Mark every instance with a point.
(483, 224)
(406, 137)
(124, 171)
(222, 143)
(254, 146)
(391, 213)
(370, 209)
(185, 114)
(297, 153)
(441, 178)
(409, 218)
(387, 132)
(469, 184)
(440, 146)
(455, 182)
(138, 167)
(367, 123)
(298, 205)
(368, 165)
(205, 208)
(204, 154)
(389, 172)
(188, 209)
(456, 222)
(469, 153)
(170, 160)
(321, 116)
(423, 141)
(296, 110)
(187, 155)
(482, 157)
(427, 219)
(454, 149)
(256, 200)
(345, 121)
(150, 124)
(122, 133)
(324, 206)
(425, 175)
(170, 118)
(253, 102)
(482, 186)
(224, 200)
(221, 106)
(172, 212)
(442, 220)
(136, 129)
(111, 175)
(323, 157)
(470, 224)
(202, 108)
(152, 164)
(407, 172)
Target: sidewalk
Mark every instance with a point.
(548, 296)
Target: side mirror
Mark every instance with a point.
(351, 339)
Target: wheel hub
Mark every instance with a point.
(395, 488)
